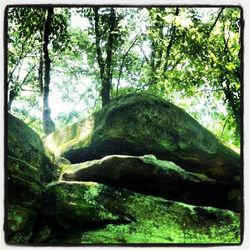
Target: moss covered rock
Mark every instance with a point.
(127, 217)
(27, 170)
(140, 124)
(20, 222)
(73, 204)
(23, 184)
(26, 145)
(148, 175)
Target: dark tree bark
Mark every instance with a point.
(105, 66)
(11, 97)
(48, 124)
(40, 70)
(107, 85)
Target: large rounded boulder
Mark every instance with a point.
(139, 124)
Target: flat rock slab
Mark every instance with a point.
(148, 175)
(99, 214)
(139, 124)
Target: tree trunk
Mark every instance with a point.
(48, 124)
(40, 71)
(107, 84)
(105, 67)
(12, 95)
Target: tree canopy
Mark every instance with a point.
(189, 56)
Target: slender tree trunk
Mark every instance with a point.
(48, 124)
(122, 64)
(13, 93)
(105, 66)
(40, 70)
(107, 84)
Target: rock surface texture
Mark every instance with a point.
(142, 124)
(26, 145)
(148, 175)
(139, 171)
(28, 168)
(122, 216)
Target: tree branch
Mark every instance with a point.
(216, 20)
(171, 42)
(123, 61)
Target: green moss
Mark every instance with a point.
(74, 204)
(146, 219)
(169, 224)
(23, 183)
(139, 124)
(20, 224)
(72, 137)
(26, 145)
(23, 142)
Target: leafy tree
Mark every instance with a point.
(29, 66)
(24, 28)
(189, 56)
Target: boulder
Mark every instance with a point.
(123, 216)
(27, 169)
(26, 145)
(139, 124)
(148, 175)
(24, 198)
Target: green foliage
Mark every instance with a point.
(189, 56)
